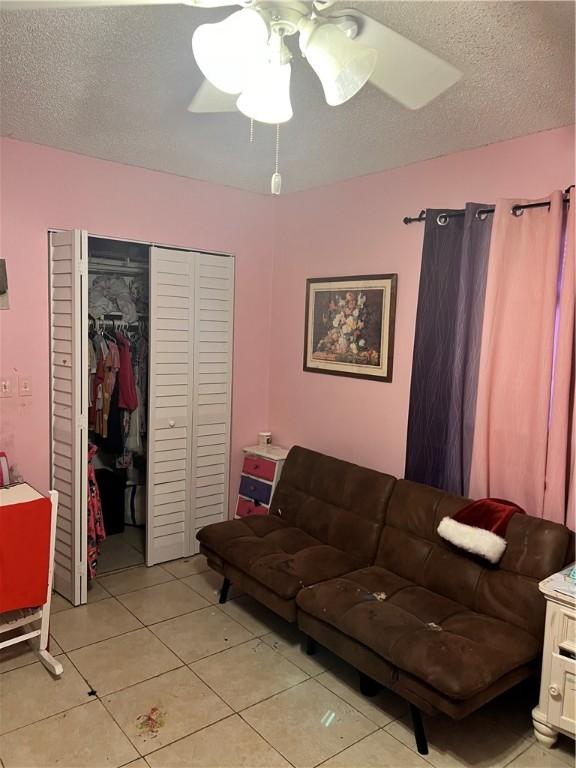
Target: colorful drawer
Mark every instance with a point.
(261, 470)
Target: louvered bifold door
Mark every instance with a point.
(171, 356)
(69, 408)
(214, 316)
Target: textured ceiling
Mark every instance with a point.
(114, 83)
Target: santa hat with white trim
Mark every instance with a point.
(480, 527)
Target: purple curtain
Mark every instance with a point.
(447, 349)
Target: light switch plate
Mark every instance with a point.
(6, 387)
(24, 386)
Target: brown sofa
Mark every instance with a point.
(353, 556)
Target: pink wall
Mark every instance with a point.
(355, 227)
(44, 189)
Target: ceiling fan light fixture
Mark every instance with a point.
(230, 51)
(267, 96)
(343, 65)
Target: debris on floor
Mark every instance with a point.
(152, 721)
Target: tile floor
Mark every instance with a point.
(122, 550)
(157, 674)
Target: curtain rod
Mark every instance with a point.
(481, 213)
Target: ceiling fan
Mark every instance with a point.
(246, 61)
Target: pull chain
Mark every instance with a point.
(276, 181)
(277, 148)
(251, 130)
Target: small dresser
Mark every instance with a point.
(556, 710)
(260, 473)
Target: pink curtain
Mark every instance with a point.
(521, 445)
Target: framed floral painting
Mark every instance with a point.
(349, 329)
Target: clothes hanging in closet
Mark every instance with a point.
(127, 396)
(117, 413)
(96, 531)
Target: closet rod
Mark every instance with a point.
(481, 213)
(116, 269)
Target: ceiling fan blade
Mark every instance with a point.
(209, 99)
(35, 4)
(405, 71)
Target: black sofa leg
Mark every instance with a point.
(419, 732)
(368, 686)
(309, 645)
(224, 590)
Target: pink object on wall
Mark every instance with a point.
(355, 227)
(44, 189)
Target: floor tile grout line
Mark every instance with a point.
(146, 626)
(87, 645)
(267, 698)
(89, 589)
(392, 720)
(161, 621)
(375, 729)
(229, 715)
(184, 666)
(319, 672)
(187, 663)
(353, 744)
(258, 639)
(29, 663)
(53, 714)
(415, 750)
(102, 696)
(243, 709)
(210, 654)
(148, 586)
(518, 755)
(179, 738)
(134, 567)
(278, 752)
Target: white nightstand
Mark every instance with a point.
(556, 710)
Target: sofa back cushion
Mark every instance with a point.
(340, 504)
(410, 547)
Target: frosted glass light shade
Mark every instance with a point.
(229, 51)
(267, 96)
(342, 65)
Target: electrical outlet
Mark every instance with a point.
(24, 386)
(6, 387)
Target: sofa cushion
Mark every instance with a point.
(337, 503)
(275, 553)
(438, 640)
(411, 547)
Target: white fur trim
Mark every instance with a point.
(476, 540)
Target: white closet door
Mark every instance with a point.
(69, 408)
(191, 322)
(214, 318)
(171, 358)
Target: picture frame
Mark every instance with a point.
(349, 326)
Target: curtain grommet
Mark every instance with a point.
(442, 219)
(481, 214)
(516, 210)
